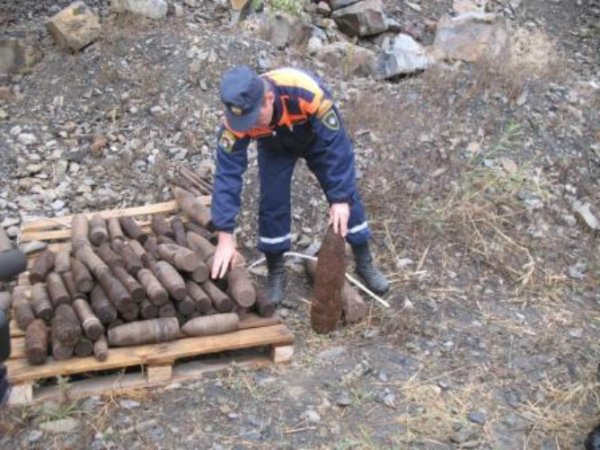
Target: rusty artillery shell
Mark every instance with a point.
(201, 299)
(60, 350)
(41, 267)
(167, 310)
(101, 305)
(57, 290)
(79, 232)
(118, 295)
(22, 308)
(81, 276)
(92, 327)
(132, 262)
(101, 349)
(192, 207)
(98, 231)
(179, 231)
(84, 347)
(114, 229)
(93, 262)
(200, 245)
(65, 325)
(144, 332)
(40, 302)
(132, 229)
(180, 257)
(186, 306)
(148, 310)
(69, 282)
(62, 261)
(36, 342)
(131, 284)
(160, 226)
(220, 300)
(264, 306)
(171, 280)
(109, 256)
(154, 289)
(240, 287)
(211, 325)
(326, 307)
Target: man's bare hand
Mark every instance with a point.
(225, 255)
(339, 213)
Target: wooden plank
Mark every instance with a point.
(282, 353)
(17, 348)
(20, 371)
(117, 383)
(158, 374)
(65, 221)
(18, 341)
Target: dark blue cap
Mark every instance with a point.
(242, 93)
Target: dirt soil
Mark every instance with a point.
(468, 171)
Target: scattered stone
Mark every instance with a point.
(403, 55)
(33, 169)
(153, 9)
(60, 426)
(388, 398)
(311, 416)
(280, 30)
(27, 138)
(403, 263)
(463, 435)
(10, 222)
(463, 6)
(314, 45)
(343, 399)
(470, 36)
(34, 436)
(331, 353)
(129, 404)
(582, 211)
(337, 4)
(575, 272)
(371, 333)
(74, 27)
(478, 417)
(17, 56)
(576, 333)
(364, 18)
(360, 370)
(323, 8)
(348, 58)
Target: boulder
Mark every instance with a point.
(283, 30)
(153, 9)
(403, 55)
(18, 56)
(337, 4)
(470, 36)
(348, 58)
(364, 18)
(74, 27)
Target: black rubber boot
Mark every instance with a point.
(372, 276)
(275, 278)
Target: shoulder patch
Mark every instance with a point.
(227, 140)
(324, 108)
(331, 121)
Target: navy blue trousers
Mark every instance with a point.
(276, 167)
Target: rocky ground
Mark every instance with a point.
(470, 173)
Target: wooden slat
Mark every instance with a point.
(20, 371)
(15, 331)
(114, 384)
(17, 348)
(65, 221)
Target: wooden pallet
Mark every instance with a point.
(157, 364)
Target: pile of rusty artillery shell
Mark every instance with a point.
(123, 281)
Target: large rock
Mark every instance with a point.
(337, 4)
(403, 55)
(471, 36)
(74, 27)
(348, 59)
(364, 18)
(283, 30)
(154, 9)
(17, 56)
